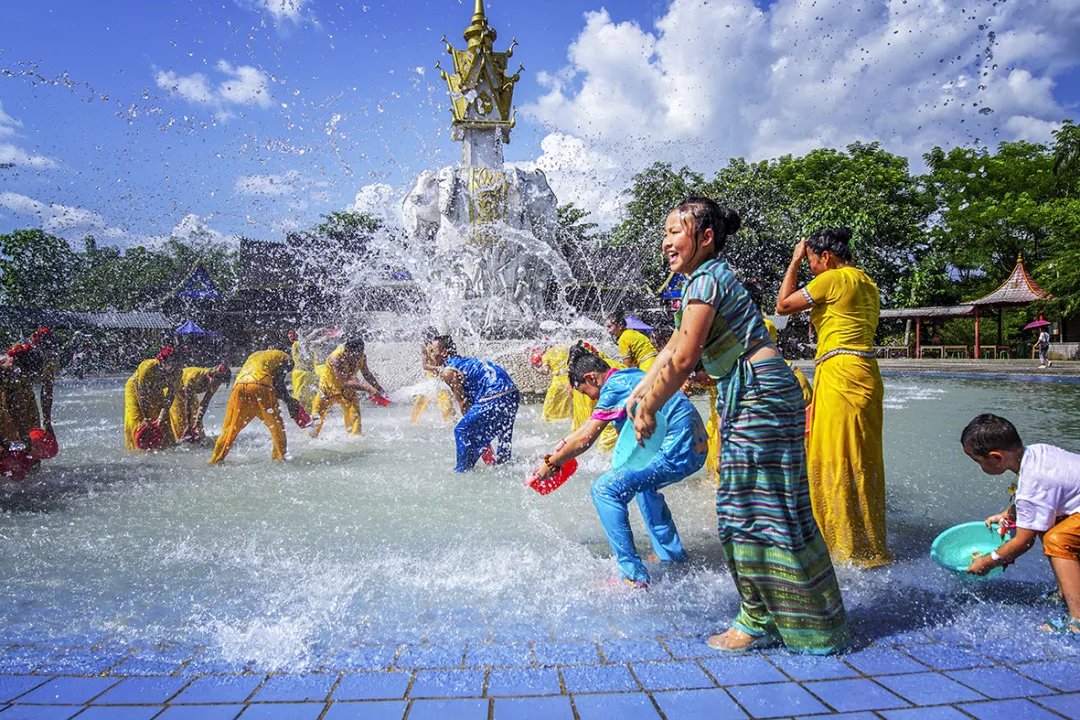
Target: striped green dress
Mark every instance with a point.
(773, 547)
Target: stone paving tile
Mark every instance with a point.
(624, 706)
(201, 712)
(142, 691)
(743, 670)
(12, 686)
(521, 633)
(219, 689)
(689, 648)
(810, 667)
(431, 656)
(119, 713)
(364, 657)
(672, 676)
(1063, 675)
(624, 651)
(372, 686)
(381, 710)
(498, 655)
(928, 689)
(697, 704)
(449, 709)
(566, 653)
(947, 657)
(941, 712)
(1067, 705)
(68, 691)
(447, 684)
(23, 659)
(145, 666)
(857, 694)
(41, 712)
(882, 661)
(80, 662)
(1012, 709)
(523, 681)
(295, 688)
(283, 711)
(599, 678)
(533, 708)
(777, 700)
(999, 683)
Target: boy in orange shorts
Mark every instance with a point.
(1047, 504)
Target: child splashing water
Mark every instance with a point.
(1047, 505)
(775, 552)
(681, 455)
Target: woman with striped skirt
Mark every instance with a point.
(787, 587)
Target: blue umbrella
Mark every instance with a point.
(635, 323)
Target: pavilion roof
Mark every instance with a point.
(1018, 289)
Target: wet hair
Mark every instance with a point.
(447, 342)
(617, 316)
(354, 344)
(706, 214)
(581, 361)
(836, 240)
(428, 334)
(988, 433)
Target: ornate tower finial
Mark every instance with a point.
(481, 92)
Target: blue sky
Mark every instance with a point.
(137, 120)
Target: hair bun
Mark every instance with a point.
(843, 234)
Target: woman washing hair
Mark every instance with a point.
(777, 557)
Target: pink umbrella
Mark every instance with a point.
(1037, 324)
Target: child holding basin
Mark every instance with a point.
(681, 455)
(776, 554)
(1047, 504)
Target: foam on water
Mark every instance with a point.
(375, 540)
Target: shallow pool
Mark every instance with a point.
(374, 541)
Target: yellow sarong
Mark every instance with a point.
(146, 393)
(558, 404)
(845, 461)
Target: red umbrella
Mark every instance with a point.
(1037, 324)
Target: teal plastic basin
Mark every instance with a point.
(955, 548)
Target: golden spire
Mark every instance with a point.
(481, 91)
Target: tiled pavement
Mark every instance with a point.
(906, 677)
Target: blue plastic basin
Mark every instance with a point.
(955, 548)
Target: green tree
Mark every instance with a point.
(1066, 154)
(36, 269)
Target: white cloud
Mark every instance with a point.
(195, 230)
(710, 80)
(13, 155)
(65, 221)
(241, 85)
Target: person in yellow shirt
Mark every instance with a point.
(845, 461)
(558, 401)
(442, 396)
(339, 385)
(187, 410)
(149, 393)
(636, 348)
(260, 386)
(305, 383)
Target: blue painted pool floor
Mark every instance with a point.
(917, 675)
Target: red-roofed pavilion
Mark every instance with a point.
(1018, 289)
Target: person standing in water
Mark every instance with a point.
(187, 410)
(260, 385)
(488, 398)
(339, 385)
(845, 457)
(636, 348)
(779, 561)
(149, 394)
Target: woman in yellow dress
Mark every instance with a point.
(187, 410)
(339, 385)
(844, 460)
(149, 393)
(260, 385)
(558, 404)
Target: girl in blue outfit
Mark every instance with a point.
(489, 402)
(681, 455)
